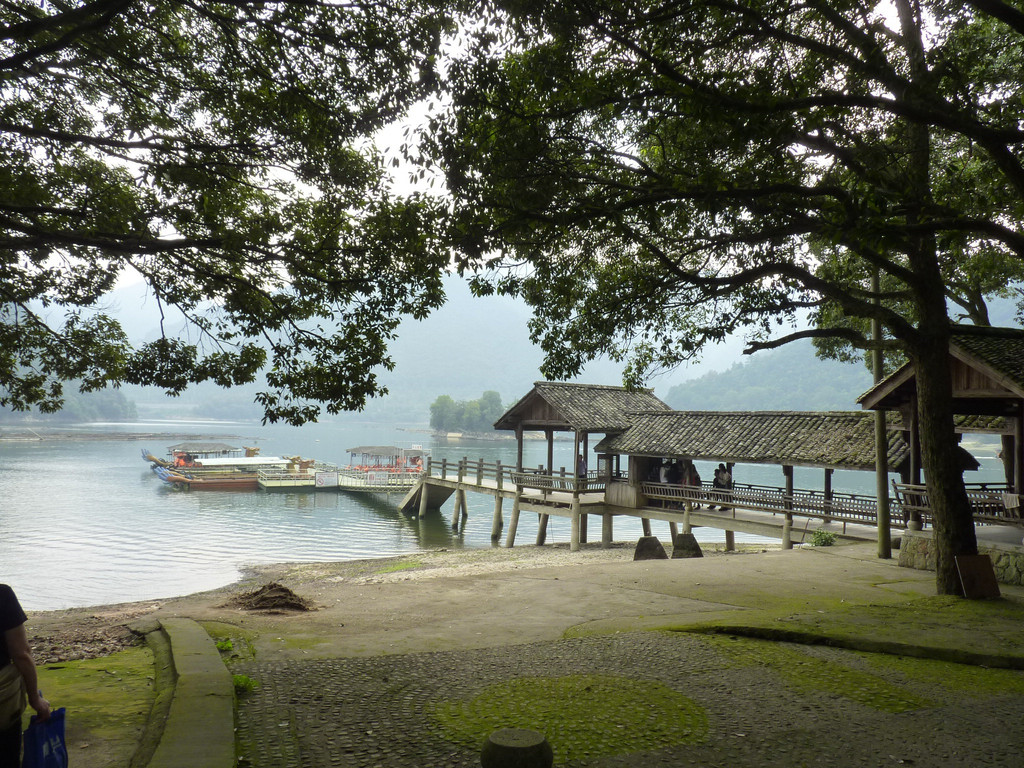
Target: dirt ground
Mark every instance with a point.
(96, 631)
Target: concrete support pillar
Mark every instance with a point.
(787, 532)
(730, 541)
(542, 530)
(460, 500)
(687, 528)
(510, 539)
(607, 523)
(497, 523)
(574, 537)
(424, 494)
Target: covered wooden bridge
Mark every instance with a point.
(828, 441)
(640, 431)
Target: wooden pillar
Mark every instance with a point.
(574, 537)
(730, 541)
(510, 538)
(550, 435)
(828, 493)
(1018, 449)
(787, 525)
(607, 529)
(519, 448)
(497, 523)
(881, 437)
(883, 522)
(915, 445)
(584, 521)
(542, 530)
(787, 471)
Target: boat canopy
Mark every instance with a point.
(385, 450)
(197, 448)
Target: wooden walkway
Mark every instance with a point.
(791, 516)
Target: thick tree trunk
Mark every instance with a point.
(951, 510)
(929, 346)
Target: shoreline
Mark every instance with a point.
(93, 631)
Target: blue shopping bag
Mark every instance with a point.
(44, 742)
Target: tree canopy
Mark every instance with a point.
(448, 415)
(653, 175)
(220, 152)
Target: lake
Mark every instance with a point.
(85, 521)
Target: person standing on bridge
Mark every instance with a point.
(581, 466)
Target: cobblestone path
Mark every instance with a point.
(376, 712)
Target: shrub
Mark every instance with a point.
(822, 538)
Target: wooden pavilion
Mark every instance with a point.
(583, 409)
(987, 367)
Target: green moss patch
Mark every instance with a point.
(108, 700)
(809, 674)
(234, 643)
(583, 716)
(983, 626)
(401, 565)
(962, 679)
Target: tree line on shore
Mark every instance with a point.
(448, 415)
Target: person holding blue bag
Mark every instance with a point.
(18, 680)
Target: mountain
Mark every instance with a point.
(789, 378)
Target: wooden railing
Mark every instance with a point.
(564, 482)
(988, 502)
(909, 501)
(477, 472)
(849, 507)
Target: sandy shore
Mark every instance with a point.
(93, 631)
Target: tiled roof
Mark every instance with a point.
(977, 423)
(835, 439)
(582, 407)
(1001, 349)
(995, 352)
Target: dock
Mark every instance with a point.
(791, 515)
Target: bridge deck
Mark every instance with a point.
(792, 516)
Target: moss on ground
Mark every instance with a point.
(401, 565)
(583, 716)
(806, 673)
(234, 643)
(965, 680)
(108, 701)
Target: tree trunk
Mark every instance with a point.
(951, 511)
(928, 346)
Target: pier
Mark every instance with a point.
(786, 513)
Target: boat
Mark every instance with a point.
(222, 467)
(212, 481)
(301, 475)
(382, 469)
(193, 456)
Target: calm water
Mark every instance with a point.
(85, 522)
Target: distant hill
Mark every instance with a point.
(473, 345)
(789, 378)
